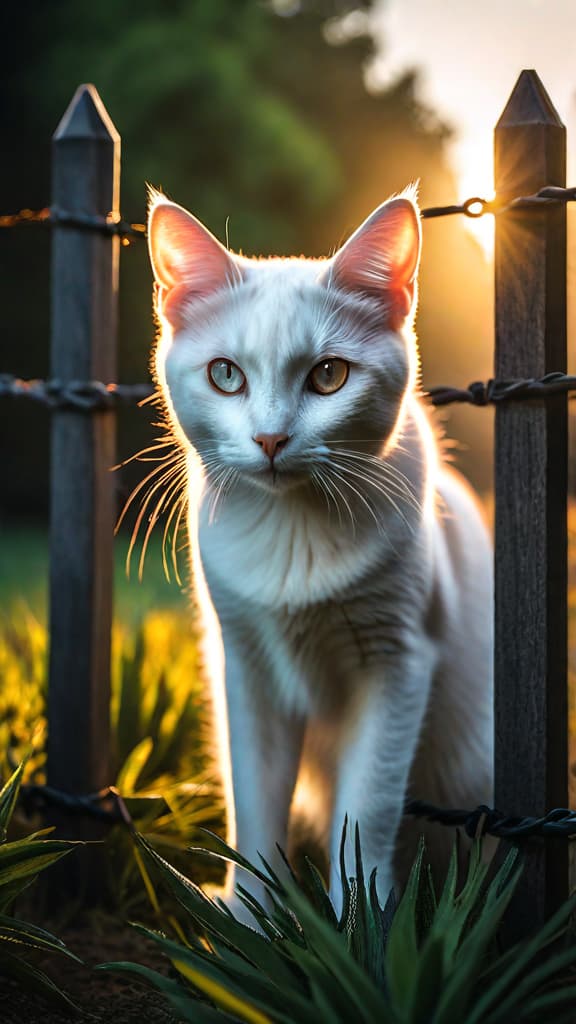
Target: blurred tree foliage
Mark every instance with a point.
(254, 121)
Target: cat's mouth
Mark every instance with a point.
(276, 480)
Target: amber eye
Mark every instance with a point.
(226, 377)
(329, 376)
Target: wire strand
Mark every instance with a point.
(113, 224)
(93, 395)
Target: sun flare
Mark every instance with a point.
(475, 176)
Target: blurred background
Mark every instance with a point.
(287, 122)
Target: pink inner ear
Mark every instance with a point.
(382, 256)
(186, 258)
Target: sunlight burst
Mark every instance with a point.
(475, 175)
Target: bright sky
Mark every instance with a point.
(470, 55)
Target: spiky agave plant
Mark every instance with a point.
(20, 862)
(429, 960)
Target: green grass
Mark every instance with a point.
(159, 713)
(24, 561)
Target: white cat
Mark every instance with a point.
(344, 575)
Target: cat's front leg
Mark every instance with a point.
(265, 743)
(376, 755)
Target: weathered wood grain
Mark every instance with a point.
(531, 493)
(86, 165)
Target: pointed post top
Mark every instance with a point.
(86, 117)
(529, 103)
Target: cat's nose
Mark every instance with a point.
(271, 443)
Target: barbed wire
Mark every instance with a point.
(53, 216)
(492, 391)
(82, 396)
(102, 806)
(483, 820)
(94, 395)
(474, 207)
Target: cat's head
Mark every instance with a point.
(269, 365)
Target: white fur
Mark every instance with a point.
(355, 622)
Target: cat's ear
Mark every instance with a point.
(187, 260)
(381, 258)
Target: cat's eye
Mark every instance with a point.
(329, 376)
(226, 377)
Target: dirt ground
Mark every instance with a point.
(102, 996)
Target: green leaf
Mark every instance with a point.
(8, 798)
(314, 884)
(358, 938)
(130, 697)
(32, 977)
(250, 943)
(344, 922)
(402, 946)
(259, 913)
(538, 1010)
(183, 1002)
(226, 995)
(459, 985)
(27, 857)
(226, 853)
(331, 949)
(445, 904)
(17, 932)
(455, 914)
(143, 809)
(516, 979)
(330, 1001)
(233, 978)
(428, 981)
(134, 765)
(11, 890)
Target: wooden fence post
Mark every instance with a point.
(86, 166)
(531, 493)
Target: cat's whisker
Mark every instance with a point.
(387, 484)
(228, 472)
(231, 483)
(384, 476)
(140, 456)
(382, 461)
(318, 486)
(161, 482)
(398, 473)
(333, 472)
(417, 456)
(156, 398)
(407, 453)
(186, 545)
(214, 485)
(173, 498)
(322, 486)
(343, 477)
(178, 507)
(384, 491)
(165, 498)
(382, 465)
(171, 460)
(331, 487)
